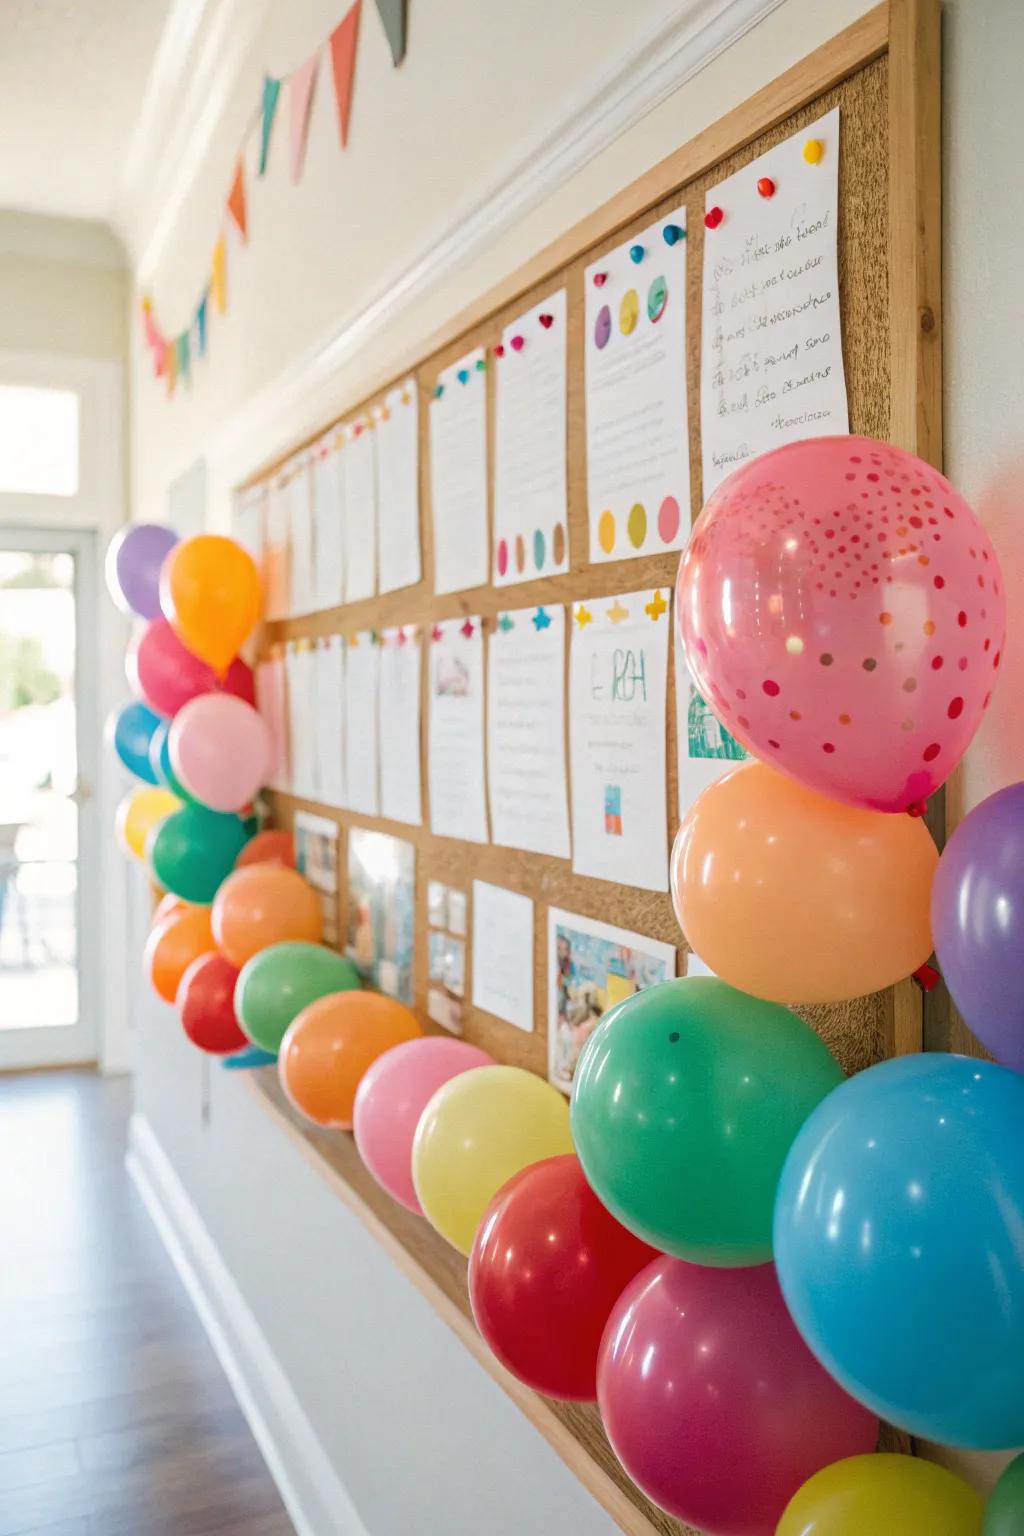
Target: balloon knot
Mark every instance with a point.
(917, 807)
(927, 977)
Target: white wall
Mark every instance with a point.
(483, 89)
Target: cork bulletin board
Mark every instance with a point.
(883, 75)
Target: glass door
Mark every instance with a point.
(48, 838)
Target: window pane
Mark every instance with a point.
(38, 441)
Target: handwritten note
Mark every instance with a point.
(455, 750)
(617, 691)
(328, 524)
(503, 954)
(329, 742)
(399, 716)
(638, 451)
(704, 748)
(526, 731)
(771, 355)
(458, 474)
(398, 488)
(362, 664)
(530, 513)
(359, 467)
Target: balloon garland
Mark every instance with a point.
(743, 1258)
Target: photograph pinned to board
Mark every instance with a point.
(531, 524)
(704, 748)
(455, 730)
(458, 474)
(456, 912)
(638, 444)
(381, 897)
(437, 904)
(592, 967)
(526, 731)
(398, 488)
(503, 954)
(453, 966)
(618, 674)
(771, 360)
(317, 842)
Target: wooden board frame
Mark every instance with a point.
(884, 72)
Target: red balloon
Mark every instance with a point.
(206, 1006)
(270, 847)
(167, 675)
(547, 1265)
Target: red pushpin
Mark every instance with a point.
(517, 343)
(766, 186)
(547, 321)
(713, 218)
(600, 278)
(927, 977)
(499, 350)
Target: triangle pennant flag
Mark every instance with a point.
(236, 199)
(271, 91)
(219, 276)
(152, 330)
(393, 15)
(201, 325)
(300, 100)
(184, 358)
(171, 365)
(343, 63)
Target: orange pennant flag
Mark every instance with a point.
(171, 365)
(218, 276)
(343, 63)
(236, 200)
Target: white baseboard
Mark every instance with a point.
(316, 1499)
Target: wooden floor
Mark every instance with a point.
(115, 1417)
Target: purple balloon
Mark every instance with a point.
(134, 558)
(978, 922)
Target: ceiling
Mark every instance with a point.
(73, 82)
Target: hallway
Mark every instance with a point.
(115, 1416)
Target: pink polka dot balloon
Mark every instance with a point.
(843, 612)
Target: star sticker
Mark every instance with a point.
(505, 623)
(541, 620)
(437, 633)
(467, 629)
(584, 616)
(617, 613)
(656, 607)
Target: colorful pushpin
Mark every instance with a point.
(437, 633)
(765, 186)
(600, 278)
(547, 321)
(463, 375)
(517, 343)
(438, 391)
(467, 629)
(637, 254)
(673, 233)
(814, 151)
(480, 364)
(499, 350)
(713, 218)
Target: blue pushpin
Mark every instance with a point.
(637, 253)
(438, 391)
(463, 375)
(673, 233)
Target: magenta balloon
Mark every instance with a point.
(843, 613)
(712, 1401)
(391, 1098)
(220, 749)
(167, 676)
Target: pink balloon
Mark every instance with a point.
(166, 675)
(712, 1401)
(843, 613)
(220, 749)
(391, 1098)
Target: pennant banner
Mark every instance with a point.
(343, 62)
(300, 102)
(271, 91)
(236, 200)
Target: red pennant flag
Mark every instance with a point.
(236, 200)
(343, 63)
(300, 99)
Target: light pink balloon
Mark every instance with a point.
(843, 613)
(391, 1098)
(220, 749)
(163, 672)
(713, 1402)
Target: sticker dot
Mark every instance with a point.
(502, 557)
(636, 524)
(603, 327)
(795, 714)
(826, 658)
(673, 1037)
(558, 544)
(668, 519)
(885, 618)
(772, 743)
(539, 549)
(606, 531)
(956, 708)
(961, 619)
(827, 746)
(869, 664)
(931, 752)
(657, 298)
(770, 688)
(936, 663)
(629, 312)
(909, 684)
(845, 719)
(520, 554)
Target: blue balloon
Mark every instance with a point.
(899, 1243)
(160, 762)
(249, 1059)
(132, 731)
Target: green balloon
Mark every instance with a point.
(685, 1101)
(1004, 1512)
(275, 985)
(191, 851)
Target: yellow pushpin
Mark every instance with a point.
(814, 151)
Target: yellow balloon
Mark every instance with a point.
(210, 592)
(897, 1495)
(138, 814)
(476, 1132)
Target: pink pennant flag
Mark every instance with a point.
(300, 101)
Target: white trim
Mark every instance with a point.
(295, 1457)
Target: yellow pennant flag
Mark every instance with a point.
(218, 276)
(171, 365)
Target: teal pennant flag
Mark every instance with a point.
(393, 18)
(271, 91)
(184, 357)
(201, 325)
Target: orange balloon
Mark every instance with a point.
(210, 592)
(172, 946)
(331, 1044)
(167, 904)
(799, 899)
(264, 904)
(270, 847)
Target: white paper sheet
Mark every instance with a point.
(248, 510)
(272, 703)
(617, 694)
(530, 510)
(638, 451)
(277, 550)
(704, 748)
(503, 954)
(458, 474)
(300, 515)
(300, 662)
(329, 532)
(359, 467)
(399, 717)
(455, 750)
(362, 666)
(526, 731)
(330, 710)
(771, 349)
(398, 489)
